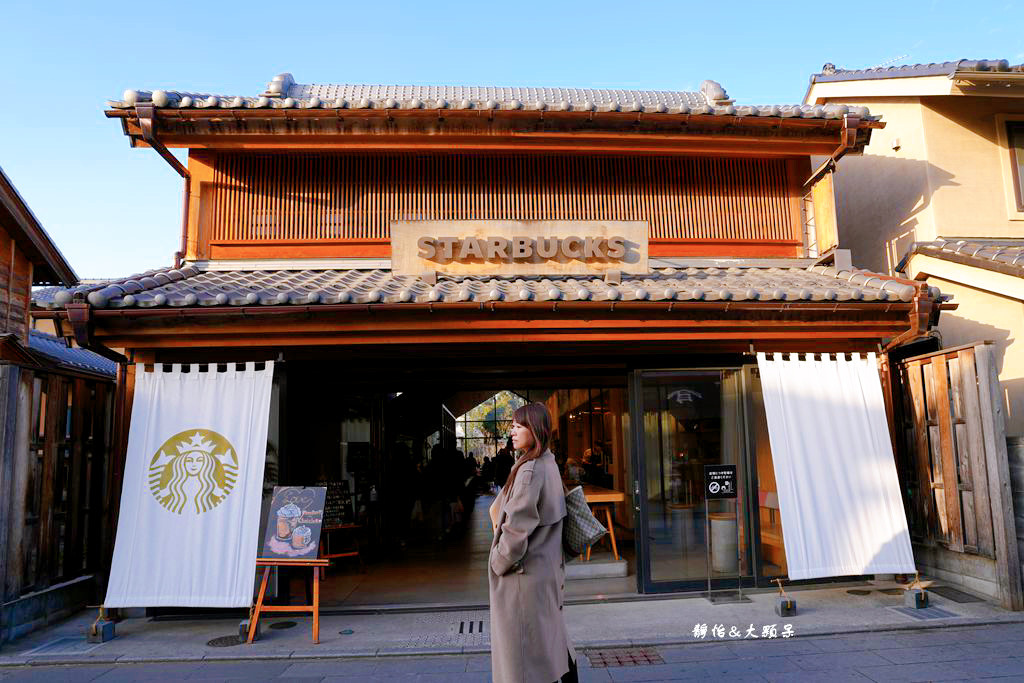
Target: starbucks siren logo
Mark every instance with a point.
(197, 466)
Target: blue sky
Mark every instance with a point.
(114, 211)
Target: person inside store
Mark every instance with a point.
(487, 474)
(503, 462)
(593, 472)
(526, 565)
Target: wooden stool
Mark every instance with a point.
(609, 524)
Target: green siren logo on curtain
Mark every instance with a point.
(197, 467)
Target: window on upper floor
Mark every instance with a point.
(1015, 138)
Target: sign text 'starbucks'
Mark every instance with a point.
(518, 247)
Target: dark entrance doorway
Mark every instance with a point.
(400, 435)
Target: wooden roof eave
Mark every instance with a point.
(360, 324)
(665, 133)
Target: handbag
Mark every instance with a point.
(580, 529)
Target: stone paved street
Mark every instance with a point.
(946, 654)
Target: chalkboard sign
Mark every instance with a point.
(293, 522)
(338, 505)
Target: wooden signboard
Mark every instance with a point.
(294, 521)
(462, 247)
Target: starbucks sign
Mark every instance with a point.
(518, 247)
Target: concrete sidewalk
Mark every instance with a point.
(822, 611)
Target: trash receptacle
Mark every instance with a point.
(723, 542)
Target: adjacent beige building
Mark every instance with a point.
(938, 195)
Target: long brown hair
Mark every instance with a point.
(536, 418)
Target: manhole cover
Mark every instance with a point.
(892, 591)
(858, 591)
(623, 656)
(278, 625)
(224, 641)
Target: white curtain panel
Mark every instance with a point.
(188, 528)
(839, 495)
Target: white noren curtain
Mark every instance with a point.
(189, 521)
(839, 495)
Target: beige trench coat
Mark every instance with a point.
(529, 642)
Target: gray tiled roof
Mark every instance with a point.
(191, 286)
(54, 349)
(830, 73)
(284, 93)
(1001, 255)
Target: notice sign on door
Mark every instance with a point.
(719, 481)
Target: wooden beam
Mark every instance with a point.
(483, 337)
(702, 145)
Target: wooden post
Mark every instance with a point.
(47, 558)
(950, 479)
(926, 495)
(969, 387)
(15, 550)
(9, 410)
(1008, 571)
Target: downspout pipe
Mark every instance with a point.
(145, 113)
(847, 141)
(81, 327)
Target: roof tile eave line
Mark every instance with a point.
(361, 287)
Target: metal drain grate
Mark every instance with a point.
(467, 627)
(925, 613)
(224, 641)
(858, 591)
(953, 594)
(623, 656)
(448, 629)
(278, 625)
(67, 645)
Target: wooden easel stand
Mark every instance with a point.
(269, 563)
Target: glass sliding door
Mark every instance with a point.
(688, 419)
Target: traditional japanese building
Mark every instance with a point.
(54, 439)
(938, 197)
(405, 253)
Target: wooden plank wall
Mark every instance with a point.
(954, 459)
(62, 455)
(15, 286)
(346, 197)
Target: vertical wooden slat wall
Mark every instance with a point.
(944, 436)
(339, 197)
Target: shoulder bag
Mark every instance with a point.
(580, 529)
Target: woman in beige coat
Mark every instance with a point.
(529, 642)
